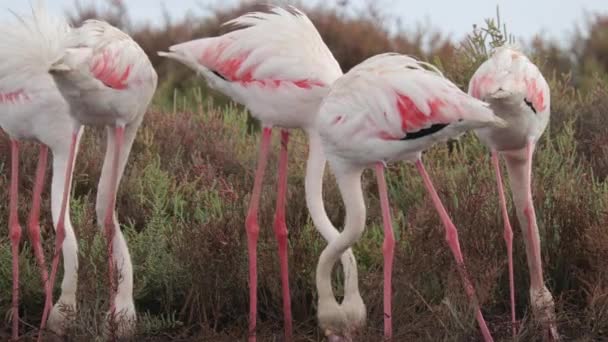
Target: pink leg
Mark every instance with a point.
(110, 229)
(452, 239)
(508, 235)
(60, 231)
(531, 216)
(14, 233)
(545, 302)
(280, 231)
(34, 222)
(253, 229)
(388, 249)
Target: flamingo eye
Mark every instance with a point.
(529, 104)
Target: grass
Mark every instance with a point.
(182, 206)
(183, 200)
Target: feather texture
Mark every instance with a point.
(30, 45)
(392, 95)
(509, 73)
(274, 63)
(280, 45)
(102, 54)
(518, 93)
(104, 75)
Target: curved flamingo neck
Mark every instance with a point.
(313, 184)
(349, 181)
(519, 168)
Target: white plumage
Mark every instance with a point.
(105, 75)
(108, 80)
(31, 107)
(278, 57)
(99, 76)
(390, 107)
(520, 95)
(390, 97)
(277, 65)
(31, 44)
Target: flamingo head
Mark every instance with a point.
(333, 337)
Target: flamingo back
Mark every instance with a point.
(31, 106)
(393, 103)
(518, 93)
(116, 60)
(105, 75)
(274, 63)
(508, 73)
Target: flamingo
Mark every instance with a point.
(390, 107)
(32, 108)
(107, 80)
(517, 92)
(277, 65)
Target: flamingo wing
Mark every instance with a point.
(278, 48)
(29, 45)
(104, 58)
(396, 97)
(112, 64)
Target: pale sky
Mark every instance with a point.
(525, 18)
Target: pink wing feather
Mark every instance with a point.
(413, 118)
(106, 67)
(109, 56)
(239, 68)
(394, 95)
(535, 93)
(268, 50)
(13, 97)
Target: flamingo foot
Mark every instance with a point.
(62, 315)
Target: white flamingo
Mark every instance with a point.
(31, 107)
(277, 65)
(107, 80)
(518, 93)
(390, 107)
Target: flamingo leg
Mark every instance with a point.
(520, 173)
(508, 236)
(109, 226)
(34, 221)
(452, 239)
(60, 228)
(253, 229)
(532, 230)
(280, 231)
(14, 230)
(388, 248)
